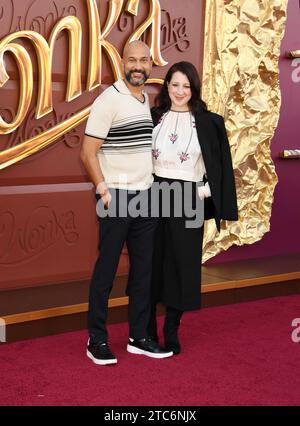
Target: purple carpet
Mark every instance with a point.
(240, 354)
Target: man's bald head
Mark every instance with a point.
(137, 62)
(134, 46)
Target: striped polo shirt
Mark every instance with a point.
(125, 125)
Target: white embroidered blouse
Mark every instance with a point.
(176, 150)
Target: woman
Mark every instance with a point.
(190, 145)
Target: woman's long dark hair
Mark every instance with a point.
(163, 101)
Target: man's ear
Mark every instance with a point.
(123, 66)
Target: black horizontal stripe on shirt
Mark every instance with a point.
(136, 129)
(123, 145)
(128, 142)
(128, 139)
(132, 133)
(108, 147)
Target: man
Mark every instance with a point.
(116, 152)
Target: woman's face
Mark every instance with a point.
(179, 91)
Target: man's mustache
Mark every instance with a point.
(138, 71)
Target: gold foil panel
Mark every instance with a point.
(240, 82)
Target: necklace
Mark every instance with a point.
(173, 136)
(155, 151)
(184, 155)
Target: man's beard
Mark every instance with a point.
(133, 82)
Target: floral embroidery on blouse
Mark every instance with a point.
(184, 156)
(173, 137)
(156, 153)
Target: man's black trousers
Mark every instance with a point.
(138, 233)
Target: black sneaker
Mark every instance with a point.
(148, 347)
(100, 353)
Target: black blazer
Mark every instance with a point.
(216, 154)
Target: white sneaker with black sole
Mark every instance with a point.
(148, 347)
(100, 353)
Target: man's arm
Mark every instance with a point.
(88, 155)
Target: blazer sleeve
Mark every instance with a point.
(229, 210)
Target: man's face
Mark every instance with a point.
(137, 65)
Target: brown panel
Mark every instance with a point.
(255, 268)
(51, 326)
(50, 296)
(48, 234)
